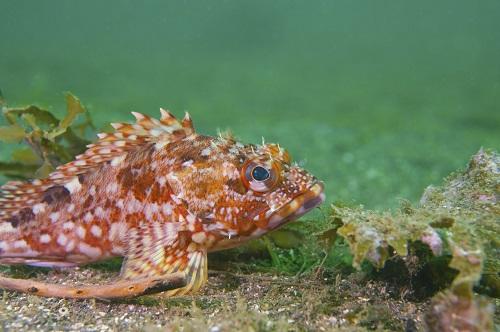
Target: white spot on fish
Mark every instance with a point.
(39, 208)
(45, 238)
(99, 212)
(117, 231)
(68, 225)
(199, 237)
(73, 186)
(4, 246)
(54, 216)
(71, 208)
(147, 212)
(118, 250)
(70, 246)
(205, 152)
(88, 217)
(19, 244)
(117, 160)
(96, 230)
(119, 204)
(92, 252)
(62, 240)
(190, 218)
(112, 188)
(6, 227)
(155, 132)
(134, 206)
(80, 231)
(166, 209)
(159, 145)
(162, 180)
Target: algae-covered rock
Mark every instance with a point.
(472, 197)
(371, 235)
(450, 312)
(460, 220)
(476, 190)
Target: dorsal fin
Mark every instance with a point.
(16, 195)
(125, 138)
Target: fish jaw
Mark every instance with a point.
(296, 208)
(299, 206)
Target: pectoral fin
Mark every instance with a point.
(196, 273)
(152, 255)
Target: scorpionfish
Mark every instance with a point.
(158, 194)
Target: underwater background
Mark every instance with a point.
(376, 98)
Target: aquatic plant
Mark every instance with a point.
(51, 141)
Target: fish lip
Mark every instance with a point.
(299, 206)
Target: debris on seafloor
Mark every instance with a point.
(459, 220)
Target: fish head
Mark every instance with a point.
(241, 192)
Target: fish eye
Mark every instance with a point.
(259, 173)
(260, 176)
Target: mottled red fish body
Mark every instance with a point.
(157, 193)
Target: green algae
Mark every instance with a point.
(51, 141)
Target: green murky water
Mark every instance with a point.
(378, 98)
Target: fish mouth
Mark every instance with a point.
(296, 208)
(299, 206)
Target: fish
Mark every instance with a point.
(158, 194)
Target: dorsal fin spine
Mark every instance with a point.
(16, 195)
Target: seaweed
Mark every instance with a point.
(51, 141)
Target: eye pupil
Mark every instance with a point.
(260, 173)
